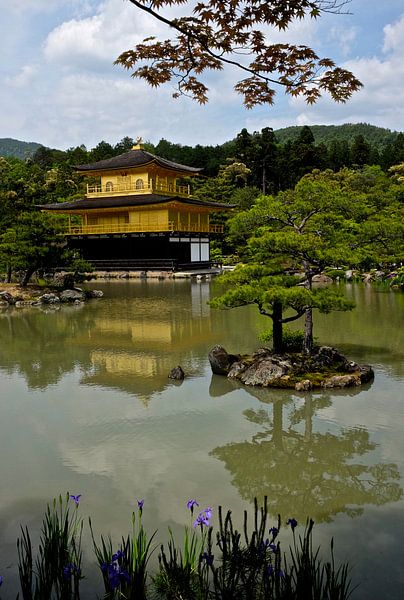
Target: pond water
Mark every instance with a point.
(86, 407)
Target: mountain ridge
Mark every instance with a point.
(377, 136)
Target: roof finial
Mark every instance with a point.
(138, 143)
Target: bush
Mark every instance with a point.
(292, 340)
(398, 280)
(336, 274)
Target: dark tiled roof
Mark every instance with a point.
(133, 200)
(135, 158)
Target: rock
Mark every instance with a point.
(176, 373)
(94, 294)
(24, 303)
(7, 297)
(327, 357)
(263, 372)
(366, 373)
(321, 278)
(49, 299)
(71, 295)
(342, 380)
(303, 386)
(221, 361)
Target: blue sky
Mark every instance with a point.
(60, 87)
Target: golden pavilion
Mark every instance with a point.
(138, 215)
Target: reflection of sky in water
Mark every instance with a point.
(86, 406)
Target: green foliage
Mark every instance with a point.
(179, 575)
(398, 279)
(346, 132)
(36, 243)
(292, 340)
(125, 572)
(313, 578)
(56, 570)
(328, 221)
(17, 149)
(216, 254)
(335, 274)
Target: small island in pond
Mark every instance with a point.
(325, 367)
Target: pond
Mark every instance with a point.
(87, 407)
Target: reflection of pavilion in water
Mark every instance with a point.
(304, 469)
(136, 352)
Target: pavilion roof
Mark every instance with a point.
(135, 158)
(130, 200)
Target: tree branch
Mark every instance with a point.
(299, 314)
(190, 35)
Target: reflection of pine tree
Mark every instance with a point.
(316, 474)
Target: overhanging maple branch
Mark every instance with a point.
(194, 36)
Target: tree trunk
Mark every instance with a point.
(308, 331)
(28, 274)
(9, 273)
(308, 315)
(277, 332)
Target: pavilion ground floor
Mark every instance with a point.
(160, 250)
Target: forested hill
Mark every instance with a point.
(324, 134)
(18, 149)
(378, 137)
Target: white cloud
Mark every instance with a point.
(345, 37)
(23, 78)
(116, 27)
(394, 37)
(380, 101)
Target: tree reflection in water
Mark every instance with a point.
(305, 471)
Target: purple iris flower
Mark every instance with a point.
(191, 504)
(208, 558)
(140, 504)
(76, 498)
(117, 555)
(274, 531)
(68, 571)
(292, 522)
(1, 580)
(116, 575)
(203, 518)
